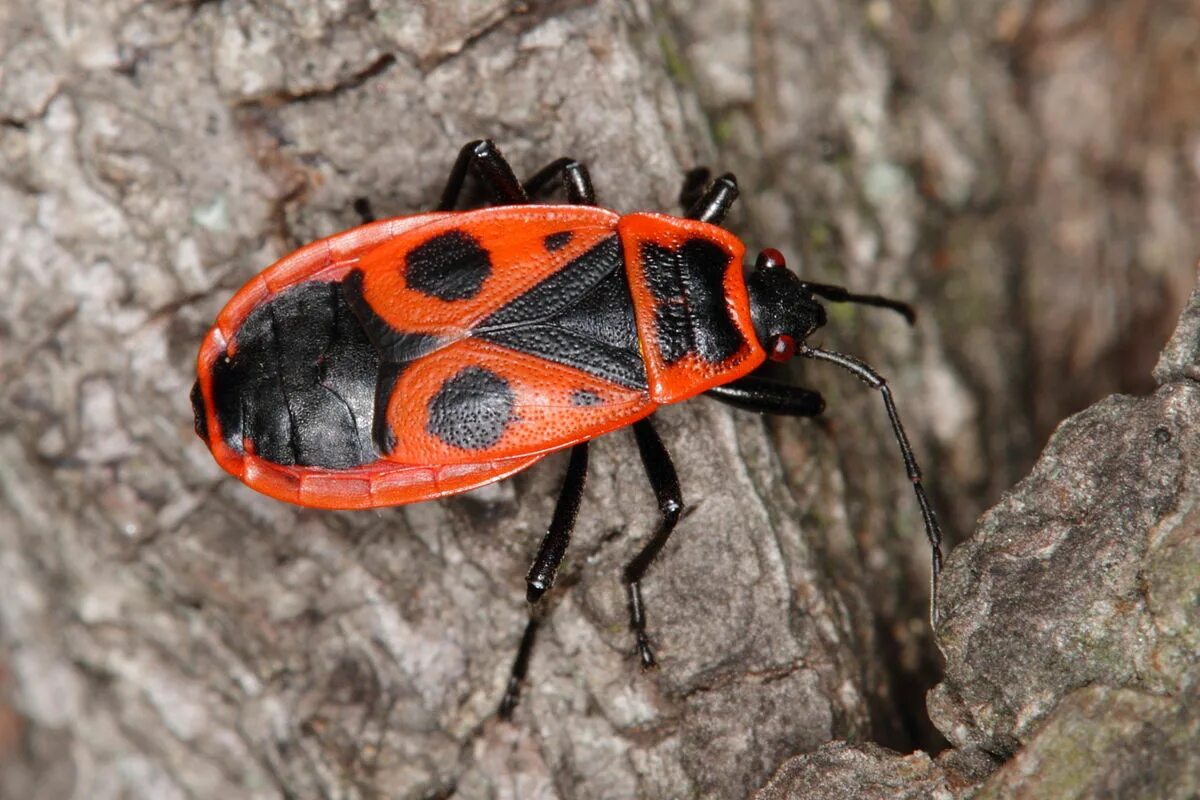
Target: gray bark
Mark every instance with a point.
(1021, 170)
(1070, 623)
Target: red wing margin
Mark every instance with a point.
(382, 483)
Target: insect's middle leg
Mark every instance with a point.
(707, 202)
(576, 179)
(694, 182)
(545, 567)
(713, 203)
(665, 483)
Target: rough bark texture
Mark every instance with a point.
(1085, 575)
(1025, 169)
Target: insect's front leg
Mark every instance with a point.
(765, 396)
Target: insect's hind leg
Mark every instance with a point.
(497, 175)
(492, 169)
(364, 209)
(665, 483)
(545, 567)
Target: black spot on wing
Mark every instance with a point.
(691, 315)
(471, 410)
(582, 398)
(449, 266)
(557, 241)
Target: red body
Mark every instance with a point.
(500, 335)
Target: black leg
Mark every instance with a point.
(932, 530)
(575, 178)
(362, 207)
(545, 567)
(764, 396)
(520, 667)
(558, 536)
(490, 167)
(713, 205)
(839, 294)
(694, 182)
(665, 483)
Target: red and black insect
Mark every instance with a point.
(416, 357)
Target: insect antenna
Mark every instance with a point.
(840, 294)
(872, 379)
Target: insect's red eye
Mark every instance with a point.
(771, 259)
(783, 348)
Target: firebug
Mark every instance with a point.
(416, 357)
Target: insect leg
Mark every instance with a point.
(362, 207)
(874, 380)
(575, 177)
(491, 168)
(665, 483)
(765, 396)
(558, 536)
(545, 567)
(714, 203)
(694, 181)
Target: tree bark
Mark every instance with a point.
(1019, 170)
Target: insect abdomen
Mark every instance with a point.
(298, 388)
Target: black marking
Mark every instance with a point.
(581, 316)
(471, 410)
(563, 289)
(381, 431)
(395, 346)
(301, 384)
(691, 315)
(574, 350)
(227, 385)
(557, 241)
(199, 412)
(582, 398)
(397, 349)
(450, 266)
